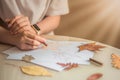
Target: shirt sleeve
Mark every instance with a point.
(58, 7)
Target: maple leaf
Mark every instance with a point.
(116, 61)
(27, 58)
(91, 47)
(68, 65)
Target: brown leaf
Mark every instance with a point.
(95, 76)
(68, 65)
(27, 58)
(91, 47)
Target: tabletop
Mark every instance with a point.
(9, 69)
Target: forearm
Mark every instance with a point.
(49, 24)
(6, 37)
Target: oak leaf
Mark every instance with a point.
(91, 47)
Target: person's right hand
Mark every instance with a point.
(28, 41)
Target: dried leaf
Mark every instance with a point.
(68, 66)
(27, 58)
(91, 47)
(62, 64)
(116, 61)
(95, 76)
(35, 71)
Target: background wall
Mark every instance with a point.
(97, 20)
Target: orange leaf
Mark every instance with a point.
(91, 47)
(116, 61)
(68, 66)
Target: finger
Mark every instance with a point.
(26, 29)
(28, 47)
(22, 19)
(7, 21)
(17, 23)
(13, 20)
(36, 37)
(20, 22)
(23, 30)
(24, 25)
(31, 42)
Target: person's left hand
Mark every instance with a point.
(19, 24)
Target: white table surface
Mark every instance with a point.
(9, 69)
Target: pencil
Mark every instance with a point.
(96, 62)
(45, 44)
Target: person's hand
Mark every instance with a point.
(28, 41)
(19, 24)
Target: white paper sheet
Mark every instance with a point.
(56, 51)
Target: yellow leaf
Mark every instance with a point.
(35, 71)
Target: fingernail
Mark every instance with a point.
(44, 40)
(44, 43)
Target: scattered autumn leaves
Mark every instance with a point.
(30, 69)
(91, 47)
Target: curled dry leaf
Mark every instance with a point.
(95, 76)
(116, 61)
(91, 47)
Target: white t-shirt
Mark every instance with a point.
(36, 10)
